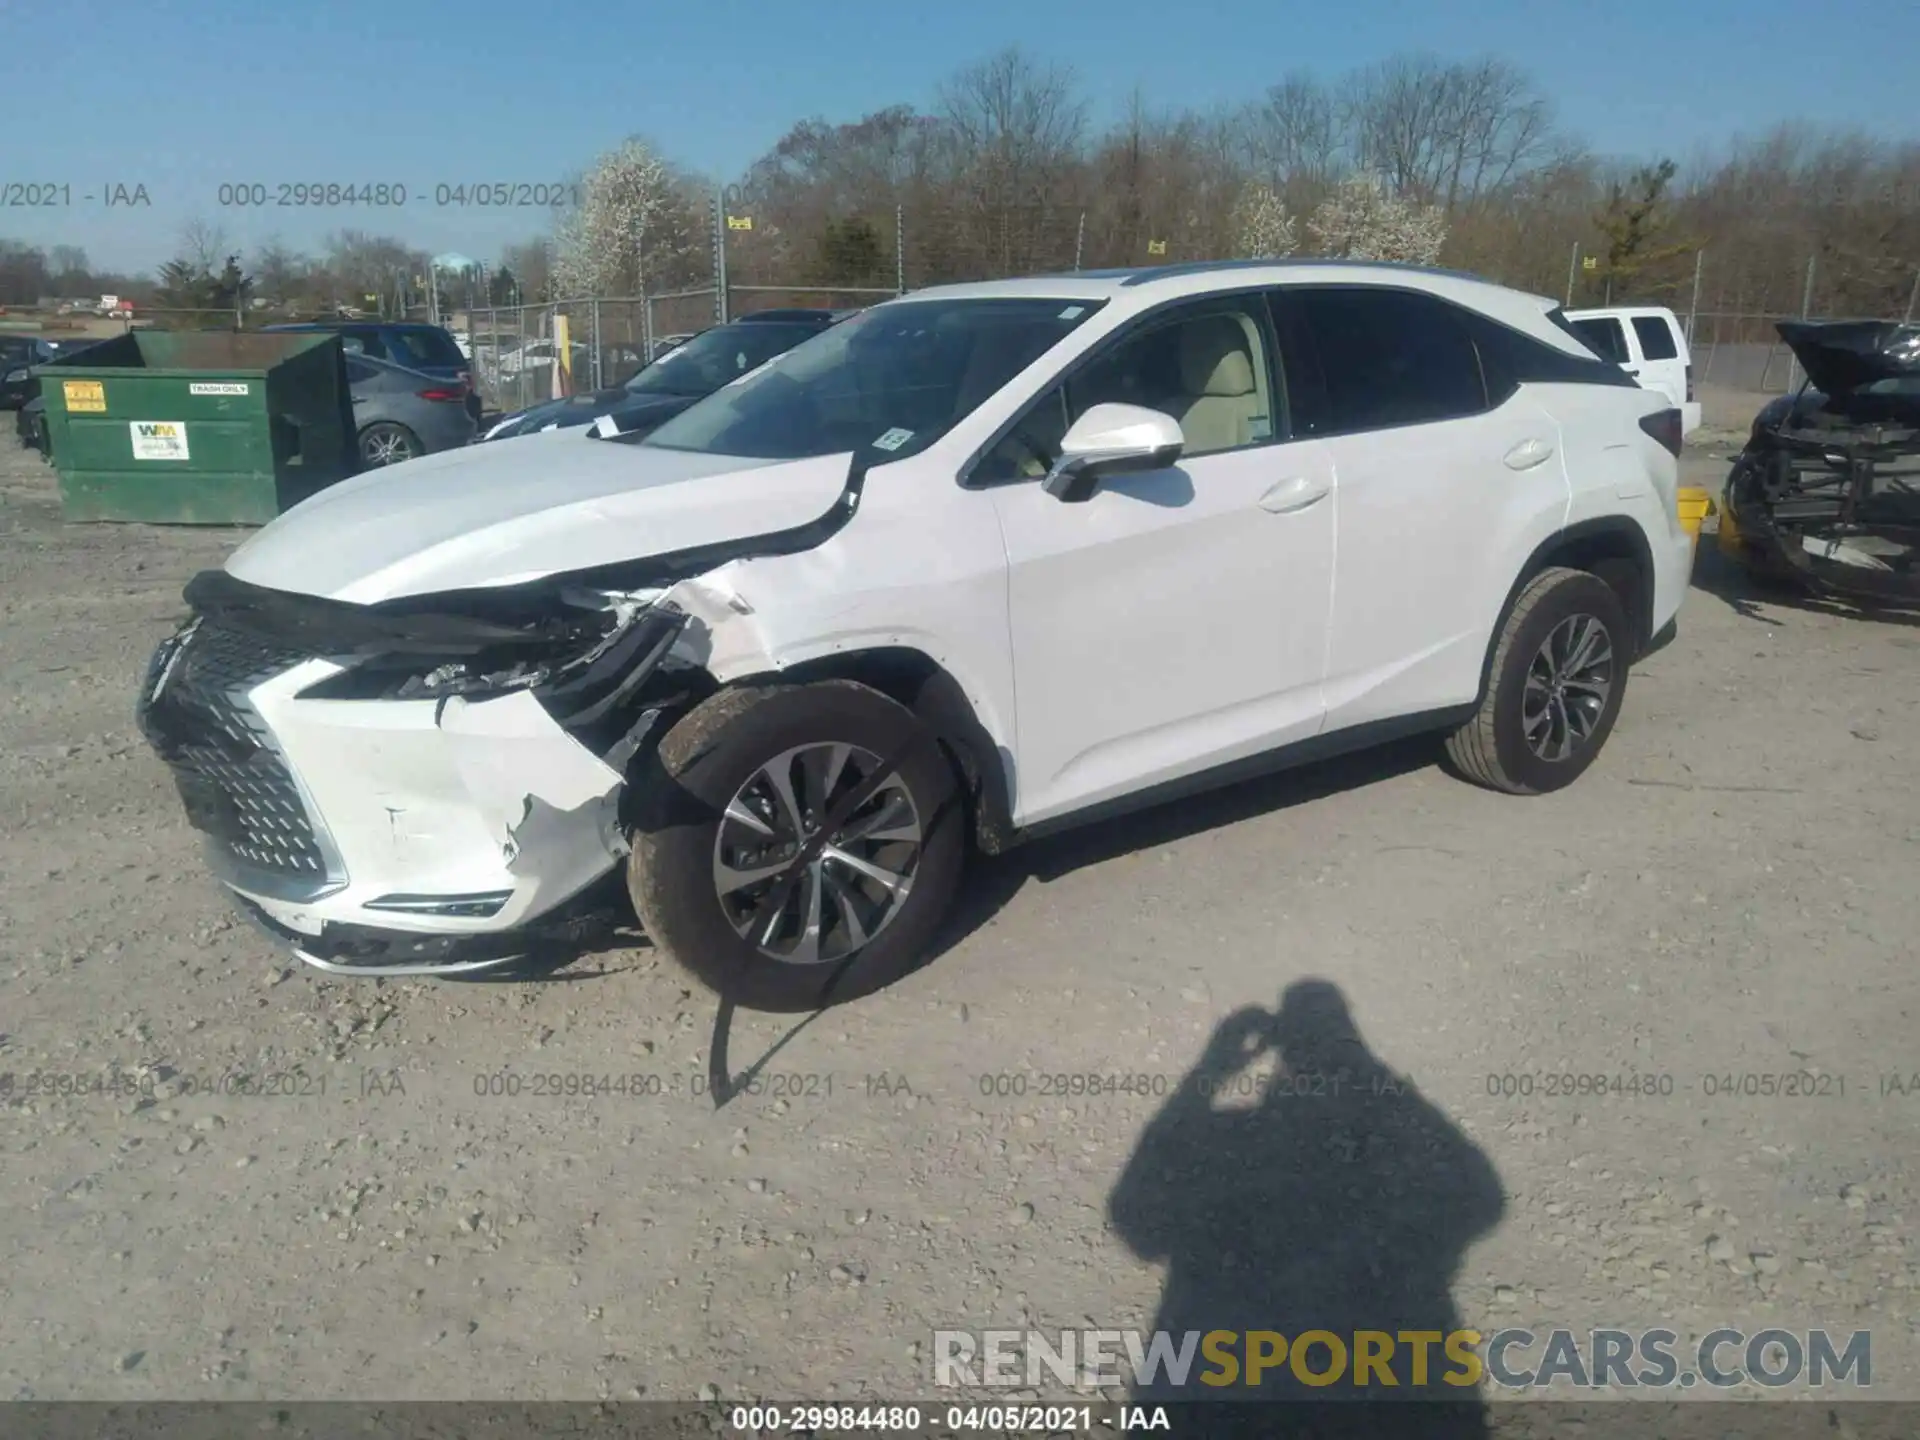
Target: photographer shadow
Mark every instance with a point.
(1329, 1196)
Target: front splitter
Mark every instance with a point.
(366, 953)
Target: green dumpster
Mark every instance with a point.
(198, 427)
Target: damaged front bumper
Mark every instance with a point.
(1827, 491)
(377, 830)
(1838, 514)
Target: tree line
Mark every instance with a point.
(1003, 171)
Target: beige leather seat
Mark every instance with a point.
(1220, 400)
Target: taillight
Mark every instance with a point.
(442, 394)
(1665, 426)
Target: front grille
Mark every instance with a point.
(232, 780)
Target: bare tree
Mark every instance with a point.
(203, 246)
(1010, 139)
(1448, 132)
(1293, 136)
(279, 274)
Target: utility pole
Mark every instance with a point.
(1080, 240)
(1913, 297)
(1573, 265)
(1693, 310)
(900, 249)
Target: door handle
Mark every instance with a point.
(1529, 453)
(1295, 493)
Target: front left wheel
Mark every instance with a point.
(796, 846)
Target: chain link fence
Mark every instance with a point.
(518, 350)
(1729, 296)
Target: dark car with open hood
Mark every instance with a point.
(1826, 493)
(673, 382)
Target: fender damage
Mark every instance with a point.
(492, 773)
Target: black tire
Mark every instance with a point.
(394, 440)
(1492, 748)
(702, 763)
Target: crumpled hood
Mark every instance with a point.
(487, 515)
(1841, 355)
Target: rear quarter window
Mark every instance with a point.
(1656, 337)
(425, 347)
(1605, 337)
(1512, 359)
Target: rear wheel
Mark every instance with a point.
(386, 443)
(796, 845)
(1554, 687)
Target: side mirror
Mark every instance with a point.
(1112, 440)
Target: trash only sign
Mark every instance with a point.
(159, 440)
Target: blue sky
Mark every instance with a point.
(180, 97)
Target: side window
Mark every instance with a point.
(1604, 337)
(1362, 358)
(1206, 366)
(1655, 337)
(370, 343)
(359, 372)
(352, 343)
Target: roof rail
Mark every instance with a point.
(1204, 267)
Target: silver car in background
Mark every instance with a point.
(400, 413)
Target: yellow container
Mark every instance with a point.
(1695, 505)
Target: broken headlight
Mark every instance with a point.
(588, 634)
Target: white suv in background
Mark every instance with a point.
(979, 563)
(1649, 344)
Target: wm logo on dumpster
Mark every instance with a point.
(159, 440)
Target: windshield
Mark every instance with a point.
(897, 377)
(710, 360)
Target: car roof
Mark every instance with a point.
(344, 324)
(1145, 287)
(797, 315)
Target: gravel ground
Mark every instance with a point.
(1729, 892)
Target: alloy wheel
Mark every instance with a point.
(798, 893)
(386, 448)
(1568, 684)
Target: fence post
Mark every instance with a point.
(1693, 310)
(1806, 309)
(719, 257)
(593, 323)
(1573, 265)
(900, 249)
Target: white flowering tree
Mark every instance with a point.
(1364, 220)
(634, 223)
(1262, 228)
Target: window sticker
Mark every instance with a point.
(1073, 312)
(893, 439)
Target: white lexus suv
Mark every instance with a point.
(980, 562)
